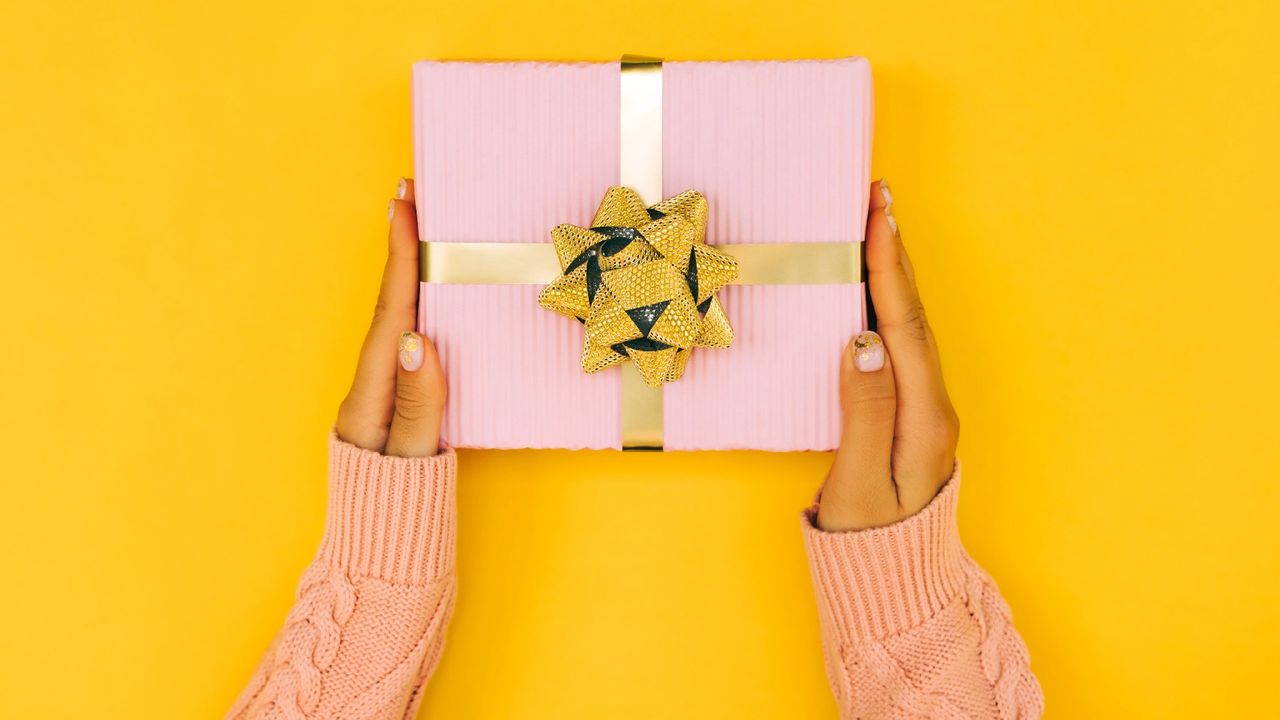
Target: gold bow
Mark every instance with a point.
(643, 282)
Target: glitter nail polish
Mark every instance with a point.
(411, 351)
(868, 352)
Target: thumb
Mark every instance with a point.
(419, 403)
(860, 491)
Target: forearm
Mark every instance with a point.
(369, 622)
(912, 627)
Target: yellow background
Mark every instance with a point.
(192, 212)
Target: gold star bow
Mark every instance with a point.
(643, 282)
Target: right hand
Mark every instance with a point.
(397, 398)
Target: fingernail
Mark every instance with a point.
(889, 218)
(410, 351)
(391, 211)
(402, 187)
(887, 194)
(868, 352)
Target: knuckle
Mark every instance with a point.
(396, 315)
(952, 422)
(873, 402)
(914, 320)
(873, 392)
(350, 414)
(940, 439)
(356, 423)
(937, 443)
(415, 403)
(409, 413)
(944, 427)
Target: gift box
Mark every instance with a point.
(515, 162)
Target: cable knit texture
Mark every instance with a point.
(369, 622)
(912, 627)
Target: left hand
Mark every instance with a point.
(900, 429)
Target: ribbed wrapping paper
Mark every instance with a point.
(506, 151)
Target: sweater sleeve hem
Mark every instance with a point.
(879, 582)
(390, 518)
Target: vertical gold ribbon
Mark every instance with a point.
(640, 168)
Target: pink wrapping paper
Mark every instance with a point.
(506, 151)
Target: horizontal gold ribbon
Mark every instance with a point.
(503, 263)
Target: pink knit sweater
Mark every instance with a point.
(911, 626)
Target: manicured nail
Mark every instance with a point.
(410, 351)
(889, 218)
(887, 194)
(402, 187)
(868, 352)
(391, 211)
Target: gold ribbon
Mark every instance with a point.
(640, 168)
(640, 158)
(505, 263)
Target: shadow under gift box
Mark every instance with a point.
(505, 151)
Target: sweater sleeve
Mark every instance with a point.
(912, 627)
(369, 621)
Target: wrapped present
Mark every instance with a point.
(643, 254)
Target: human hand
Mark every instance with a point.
(900, 429)
(397, 398)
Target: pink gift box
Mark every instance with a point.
(505, 151)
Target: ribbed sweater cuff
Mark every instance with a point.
(882, 581)
(389, 517)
